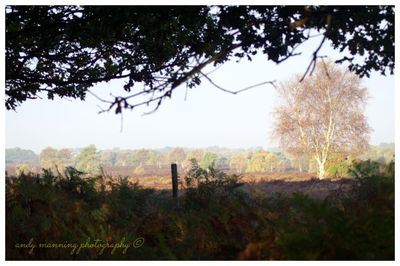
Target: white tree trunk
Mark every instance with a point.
(321, 172)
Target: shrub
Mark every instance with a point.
(368, 168)
(338, 170)
(209, 177)
(22, 169)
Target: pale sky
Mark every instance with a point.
(208, 117)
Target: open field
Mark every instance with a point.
(269, 183)
(285, 183)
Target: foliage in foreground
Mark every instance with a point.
(215, 220)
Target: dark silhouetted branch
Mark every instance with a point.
(312, 64)
(238, 91)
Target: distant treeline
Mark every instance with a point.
(18, 155)
(157, 161)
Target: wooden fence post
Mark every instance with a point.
(174, 173)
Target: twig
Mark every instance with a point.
(157, 106)
(291, 53)
(326, 68)
(312, 64)
(238, 91)
(98, 98)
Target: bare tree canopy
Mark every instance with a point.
(65, 50)
(322, 115)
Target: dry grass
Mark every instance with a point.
(284, 183)
(154, 182)
(269, 183)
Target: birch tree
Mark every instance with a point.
(323, 114)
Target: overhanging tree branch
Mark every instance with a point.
(79, 46)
